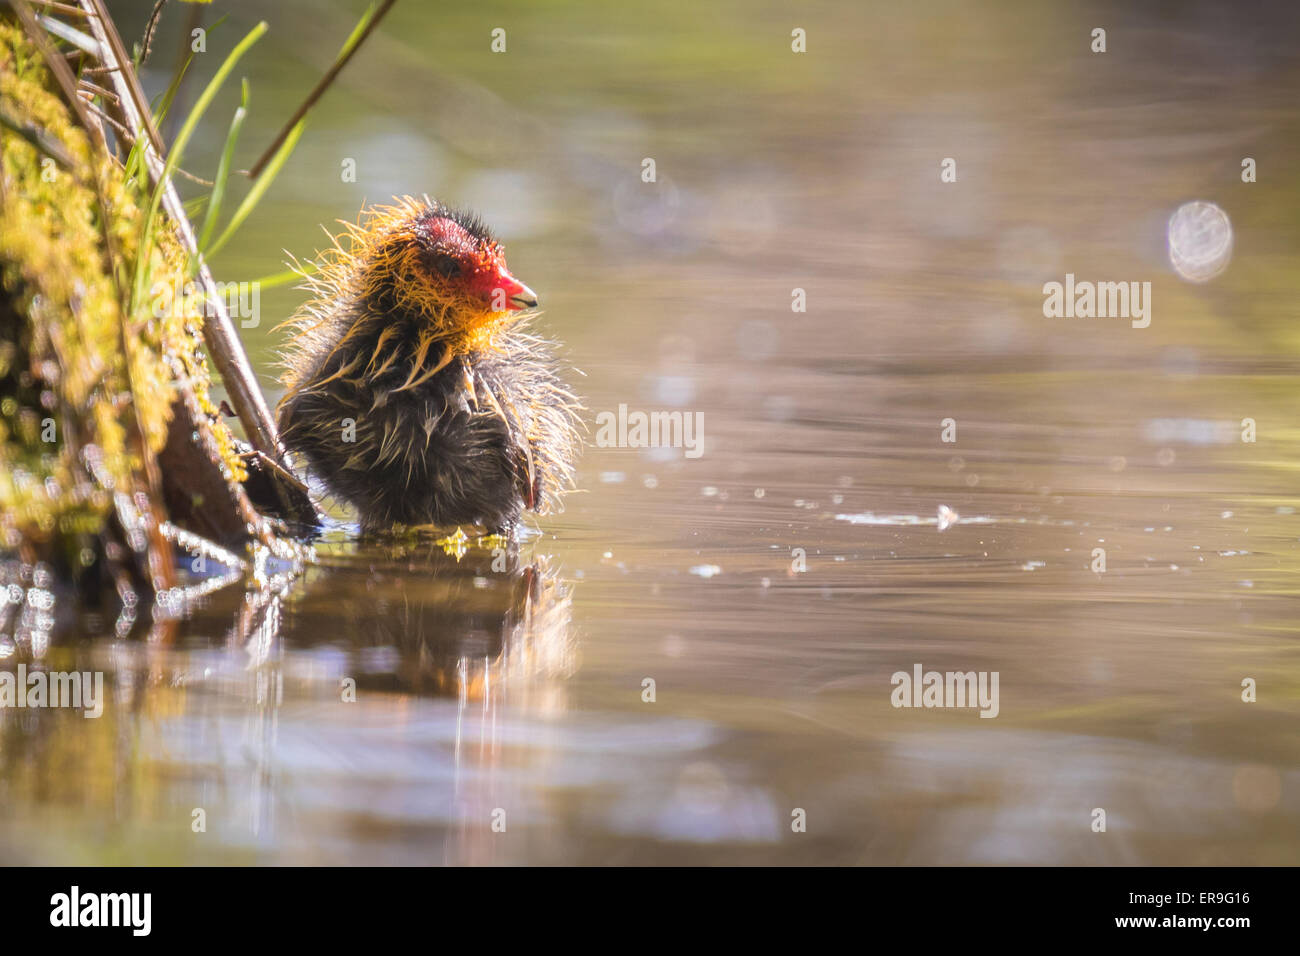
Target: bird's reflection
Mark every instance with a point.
(228, 691)
(446, 618)
(474, 622)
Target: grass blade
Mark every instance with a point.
(223, 170)
(283, 278)
(144, 259)
(165, 103)
(260, 186)
(369, 21)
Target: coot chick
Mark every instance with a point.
(414, 387)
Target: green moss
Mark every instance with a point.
(74, 367)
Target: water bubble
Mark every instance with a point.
(1200, 241)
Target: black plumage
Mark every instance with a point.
(411, 395)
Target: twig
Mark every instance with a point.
(319, 90)
(39, 139)
(118, 127)
(193, 178)
(135, 105)
(64, 8)
(284, 473)
(175, 113)
(199, 545)
(146, 43)
(99, 91)
(127, 134)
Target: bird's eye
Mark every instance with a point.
(446, 266)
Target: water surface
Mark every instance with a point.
(509, 686)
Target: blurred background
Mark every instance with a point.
(481, 690)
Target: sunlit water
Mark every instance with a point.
(826, 537)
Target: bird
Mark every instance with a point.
(415, 386)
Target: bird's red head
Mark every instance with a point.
(458, 254)
(443, 265)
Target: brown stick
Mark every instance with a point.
(146, 45)
(52, 7)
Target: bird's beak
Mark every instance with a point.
(518, 295)
(525, 298)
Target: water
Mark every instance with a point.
(513, 694)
